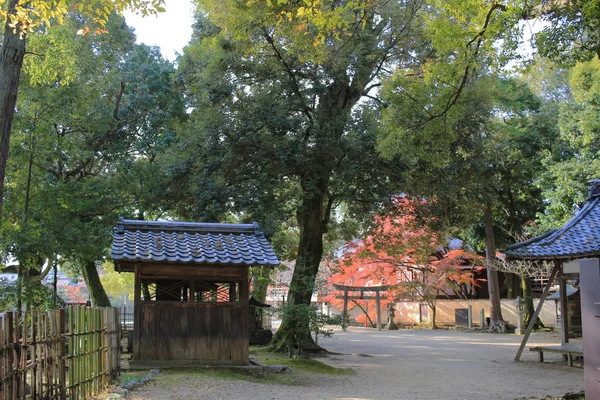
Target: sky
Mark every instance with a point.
(170, 30)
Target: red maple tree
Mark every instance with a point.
(402, 250)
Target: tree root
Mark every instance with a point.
(498, 327)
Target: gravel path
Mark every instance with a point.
(405, 364)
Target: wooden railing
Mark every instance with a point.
(70, 353)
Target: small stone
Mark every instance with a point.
(130, 385)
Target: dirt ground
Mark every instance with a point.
(405, 364)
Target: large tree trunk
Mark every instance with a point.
(310, 251)
(497, 323)
(11, 63)
(92, 281)
(528, 308)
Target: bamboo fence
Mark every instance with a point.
(70, 353)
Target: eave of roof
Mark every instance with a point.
(190, 243)
(578, 238)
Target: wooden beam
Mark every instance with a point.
(356, 297)
(557, 267)
(382, 288)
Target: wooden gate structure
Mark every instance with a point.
(191, 288)
(361, 290)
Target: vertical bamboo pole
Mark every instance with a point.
(84, 373)
(63, 355)
(17, 355)
(2, 357)
(34, 355)
(83, 352)
(72, 359)
(69, 361)
(54, 333)
(47, 354)
(23, 353)
(98, 351)
(106, 346)
(39, 355)
(51, 340)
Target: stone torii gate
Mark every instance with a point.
(361, 289)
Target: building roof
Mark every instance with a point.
(579, 238)
(191, 243)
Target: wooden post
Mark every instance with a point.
(557, 266)
(564, 306)
(192, 295)
(244, 297)
(345, 314)
(378, 305)
(136, 313)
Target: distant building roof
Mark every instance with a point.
(579, 238)
(191, 243)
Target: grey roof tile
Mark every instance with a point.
(191, 243)
(579, 238)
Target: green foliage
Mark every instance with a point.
(575, 159)
(572, 32)
(117, 285)
(488, 146)
(38, 15)
(35, 294)
(86, 149)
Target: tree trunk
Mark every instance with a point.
(11, 63)
(310, 251)
(92, 281)
(433, 306)
(528, 308)
(497, 323)
(513, 286)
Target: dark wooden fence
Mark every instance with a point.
(70, 353)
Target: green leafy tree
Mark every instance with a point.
(575, 159)
(86, 152)
(571, 32)
(278, 129)
(39, 296)
(478, 162)
(22, 19)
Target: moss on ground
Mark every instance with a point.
(303, 370)
(309, 365)
(128, 376)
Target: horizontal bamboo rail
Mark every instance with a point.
(70, 353)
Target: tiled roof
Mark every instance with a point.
(579, 238)
(191, 243)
